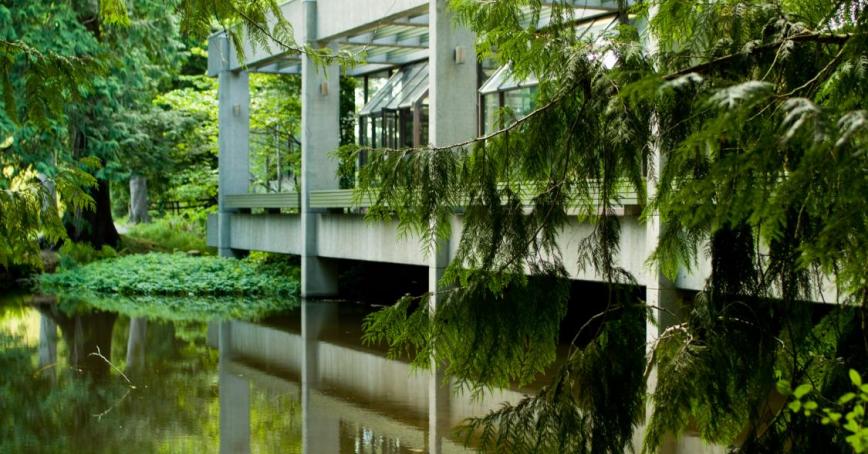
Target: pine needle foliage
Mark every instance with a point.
(749, 119)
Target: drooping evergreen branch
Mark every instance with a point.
(822, 38)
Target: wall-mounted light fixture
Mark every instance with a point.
(236, 110)
(324, 88)
(459, 55)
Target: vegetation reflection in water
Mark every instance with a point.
(57, 398)
(162, 385)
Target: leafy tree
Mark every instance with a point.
(742, 125)
(74, 71)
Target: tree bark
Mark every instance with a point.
(139, 199)
(95, 226)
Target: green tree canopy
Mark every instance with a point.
(742, 125)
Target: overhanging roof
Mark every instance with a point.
(402, 90)
(384, 33)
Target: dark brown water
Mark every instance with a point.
(84, 380)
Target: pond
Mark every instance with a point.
(88, 380)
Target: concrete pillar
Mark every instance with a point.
(660, 293)
(453, 82)
(234, 400)
(452, 99)
(234, 131)
(320, 135)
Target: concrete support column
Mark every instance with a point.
(320, 135)
(660, 293)
(452, 98)
(234, 131)
(452, 119)
(234, 400)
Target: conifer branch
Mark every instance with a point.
(822, 38)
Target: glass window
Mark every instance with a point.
(520, 101)
(406, 126)
(390, 129)
(490, 110)
(423, 127)
(377, 131)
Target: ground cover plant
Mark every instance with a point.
(177, 275)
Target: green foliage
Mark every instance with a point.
(586, 406)
(346, 156)
(177, 275)
(495, 337)
(172, 233)
(75, 254)
(275, 131)
(741, 125)
(77, 81)
(846, 413)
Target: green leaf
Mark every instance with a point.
(855, 378)
(802, 390)
(846, 398)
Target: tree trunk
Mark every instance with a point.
(139, 199)
(95, 226)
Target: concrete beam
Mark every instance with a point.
(341, 17)
(608, 5)
(396, 59)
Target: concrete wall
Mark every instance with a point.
(352, 237)
(279, 233)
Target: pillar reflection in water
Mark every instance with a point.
(47, 345)
(352, 398)
(320, 428)
(234, 400)
(136, 345)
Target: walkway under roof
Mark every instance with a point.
(398, 37)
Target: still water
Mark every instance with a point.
(95, 381)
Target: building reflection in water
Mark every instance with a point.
(353, 398)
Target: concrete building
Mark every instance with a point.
(437, 93)
(442, 97)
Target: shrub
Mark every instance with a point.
(73, 254)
